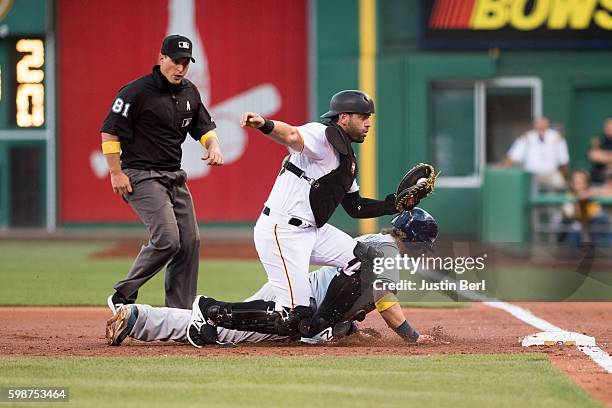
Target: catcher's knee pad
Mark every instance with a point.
(342, 293)
(258, 316)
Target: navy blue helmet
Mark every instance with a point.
(417, 224)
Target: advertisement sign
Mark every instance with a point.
(240, 65)
(474, 24)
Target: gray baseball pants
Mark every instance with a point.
(164, 204)
(164, 323)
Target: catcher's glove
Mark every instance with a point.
(418, 183)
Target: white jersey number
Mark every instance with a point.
(118, 105)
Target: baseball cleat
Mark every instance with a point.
(195, 324)
(200, 331)
(193, 336)
(322, 337)
(121, 324)
(206, 335)
(349, 326)
(345, 328)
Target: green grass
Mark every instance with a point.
(62, 273)
(47, 273)
(547, 284)
(524, 380)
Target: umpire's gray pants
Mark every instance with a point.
(163, 202)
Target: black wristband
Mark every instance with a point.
(407, 332)
(267, 127)
(390, 204)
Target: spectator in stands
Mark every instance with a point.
(584, 218)
(543, 152)
(605, 189)
(600, 153)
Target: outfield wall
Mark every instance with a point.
(433, 101)
(238, 67)
(565, 79)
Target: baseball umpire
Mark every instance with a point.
(292, 230)
(141, 140)
(339, 299)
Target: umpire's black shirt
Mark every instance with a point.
(151, 117)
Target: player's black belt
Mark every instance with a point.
(292, 168)
(296, 222)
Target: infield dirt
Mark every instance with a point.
(478, 329)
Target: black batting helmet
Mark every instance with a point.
(349, 101)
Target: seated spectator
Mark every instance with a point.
(542, 152)
(600, 153)
(584, 219)
(605, 189)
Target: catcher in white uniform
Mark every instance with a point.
(339, 299)
(319, 174)
(292, 232)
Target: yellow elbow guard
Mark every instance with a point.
(386, 302)
(205, 136)
(111, 147)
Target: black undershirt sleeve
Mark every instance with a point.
(360, 207)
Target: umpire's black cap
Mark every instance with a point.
(349, 101)
(177, 46)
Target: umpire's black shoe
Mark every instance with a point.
(116, 300)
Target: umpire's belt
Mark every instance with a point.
(296, 222)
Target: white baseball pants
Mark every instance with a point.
(286, 252)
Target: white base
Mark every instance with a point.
(558, 338)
